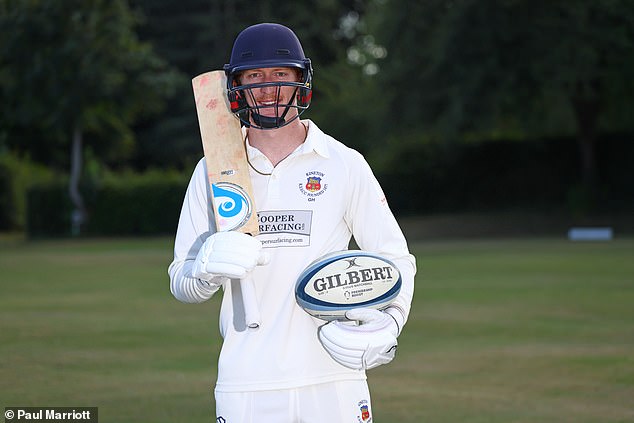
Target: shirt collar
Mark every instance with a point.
(315, 141)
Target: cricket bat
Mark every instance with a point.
(227, 170)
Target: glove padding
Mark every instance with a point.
(364, 346)
(228, 254)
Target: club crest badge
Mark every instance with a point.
(314, 185)
(365, 416)
(365, 413)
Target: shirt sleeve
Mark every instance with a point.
(194, 226)
(375, 229)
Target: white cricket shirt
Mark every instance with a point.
(311, 204)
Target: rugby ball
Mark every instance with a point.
(343, 280)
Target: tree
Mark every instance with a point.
(517, 68)
(196, 36)
(71, 68)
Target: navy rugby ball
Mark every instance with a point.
(343, 280)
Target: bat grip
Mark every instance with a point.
(251, 308)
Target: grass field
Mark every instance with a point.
(536, 330)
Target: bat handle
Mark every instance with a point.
(251, 308)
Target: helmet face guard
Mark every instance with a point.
(265, 46)
(245, 107)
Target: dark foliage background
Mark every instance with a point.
(458, 105)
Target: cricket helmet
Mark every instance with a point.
(267, 45)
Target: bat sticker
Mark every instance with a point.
(232, 204)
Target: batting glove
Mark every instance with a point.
(229, 254)
(364, 346)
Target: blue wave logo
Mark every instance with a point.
(232, 205)
(229, 203)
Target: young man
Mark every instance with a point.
(294, 368)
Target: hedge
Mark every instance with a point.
(17, 175)
(123, 205)
(136, 209)
(426, 178)
(418, 179)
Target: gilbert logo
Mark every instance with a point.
(352, 263)
(383, 273)
(314, 185)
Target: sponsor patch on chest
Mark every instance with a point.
(285, 228)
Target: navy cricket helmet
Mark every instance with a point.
(267, 45)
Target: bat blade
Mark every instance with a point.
(225, 156)
(227, 170)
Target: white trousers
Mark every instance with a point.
(337, 402)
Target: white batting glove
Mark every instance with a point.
(366, 346)
(229, 254)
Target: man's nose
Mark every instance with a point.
(268, 89)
